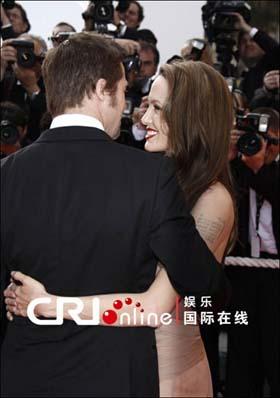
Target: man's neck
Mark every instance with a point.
(81, 111)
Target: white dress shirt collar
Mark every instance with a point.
(76, 119)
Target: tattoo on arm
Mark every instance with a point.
(210, 230)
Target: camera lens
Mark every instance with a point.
(26, 58)
(8, 133)
(249, 144)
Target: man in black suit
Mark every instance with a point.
(25, 86)
(85, 215)
(260, 54)
(253, 351)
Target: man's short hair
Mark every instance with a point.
(145, 46)
(24, 16)
(13, 113)
(147, 35)
(60, 24)
(71, 70)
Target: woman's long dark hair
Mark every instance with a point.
(199, 115)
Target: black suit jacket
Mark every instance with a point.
(85, 215)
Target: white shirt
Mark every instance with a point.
(76, 119)
(265, 231)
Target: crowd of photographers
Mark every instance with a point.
(249, 59)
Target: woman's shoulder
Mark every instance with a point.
(217, 198)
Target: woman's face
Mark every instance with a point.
(157, 130)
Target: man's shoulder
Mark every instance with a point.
(142, 160)
(139, 154)
(17, 158)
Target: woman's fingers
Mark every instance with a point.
(10, 302)
(9, 292)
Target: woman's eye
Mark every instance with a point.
(157, 108)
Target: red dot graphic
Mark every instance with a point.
(141, 310)
(128, 301)
(117, 304)
(137, 304)
(109, 317)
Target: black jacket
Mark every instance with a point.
(266, 183)
(253, 79)
(85, 216)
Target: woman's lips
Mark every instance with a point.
(150, 134)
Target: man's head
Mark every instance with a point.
(93, 83)
(134, 15)
(250, 52)
(149, 57)
(18, 18)
(58, 29)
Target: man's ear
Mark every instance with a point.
(100, 90)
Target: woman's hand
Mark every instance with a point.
(18, 296)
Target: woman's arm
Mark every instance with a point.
(214, 218)
(158, 299)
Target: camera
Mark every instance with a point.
(8, 132)
(13, 126)
(217, 16)
(198, 47)
(132, 66)
(8, 4)
(255, 125)
(61, 37)
(132, 63)
(219, 25)
(26, 57)
(100, 13)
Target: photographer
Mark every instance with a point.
(253, 352)
(259, 52)
(139, 84)
(21, 78)
(13, 127)
(101, 17)
(14, 20)
(149, 61)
